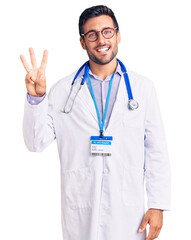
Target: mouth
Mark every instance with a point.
(103, 49)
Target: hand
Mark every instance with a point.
(153, 217)
(35, 79)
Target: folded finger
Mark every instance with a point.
(30, 77)
(33, 58)
(25, 64)
(29, 80)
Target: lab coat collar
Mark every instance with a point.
(117, 71)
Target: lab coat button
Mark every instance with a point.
(105, 171)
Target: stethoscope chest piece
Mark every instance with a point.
(132, 104)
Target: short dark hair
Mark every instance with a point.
(95, 12)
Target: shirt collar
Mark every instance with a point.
(117, 71)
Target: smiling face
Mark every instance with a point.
(103, 50)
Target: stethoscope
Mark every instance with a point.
(132, 103)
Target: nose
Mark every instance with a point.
(100, 38)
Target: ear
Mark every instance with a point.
(82, 43)
(118, 37)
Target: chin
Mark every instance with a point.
(102, 61)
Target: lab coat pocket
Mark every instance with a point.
(77, 188)
(133, 187)
(133, 118)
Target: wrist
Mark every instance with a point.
(34, 100)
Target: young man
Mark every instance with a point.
(102, 193)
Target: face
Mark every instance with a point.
(103, 50)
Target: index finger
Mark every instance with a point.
(44, 60)
(25, 64)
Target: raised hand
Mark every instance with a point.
(35, 79)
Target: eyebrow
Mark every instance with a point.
(93, 30)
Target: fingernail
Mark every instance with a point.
(41, 77)
(140, 230)
(33, 78)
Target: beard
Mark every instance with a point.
(99, 60)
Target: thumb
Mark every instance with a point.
(143, 224)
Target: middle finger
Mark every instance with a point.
(33, 58)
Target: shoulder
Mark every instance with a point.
(141, 83)
(63, 82)
(142, 86)
(137, 78)
(60, 91)
(63, 85)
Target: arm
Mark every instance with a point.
(35, 100)
(38, 128)
(157, 168)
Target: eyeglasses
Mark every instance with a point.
(92, 35)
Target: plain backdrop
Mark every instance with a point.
(155, 42)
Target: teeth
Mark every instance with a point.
(103, 49)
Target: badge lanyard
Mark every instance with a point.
(101, 123)
(100, 145)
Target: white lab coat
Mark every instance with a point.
(103, 197)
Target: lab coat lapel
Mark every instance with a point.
(118, 109)
(87, 101)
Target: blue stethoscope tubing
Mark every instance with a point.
(127, 82)
(132, 104)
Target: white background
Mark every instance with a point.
(156, 42)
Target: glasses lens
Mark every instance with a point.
(108, 33)
(92, 36)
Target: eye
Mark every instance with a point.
(91, 35)
(107, 32)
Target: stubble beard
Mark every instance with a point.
(99, 61)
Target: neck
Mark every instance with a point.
(103, 71)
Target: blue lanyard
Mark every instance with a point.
(101, 123)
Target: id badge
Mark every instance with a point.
(101, 146)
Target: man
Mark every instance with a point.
(102, 193)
